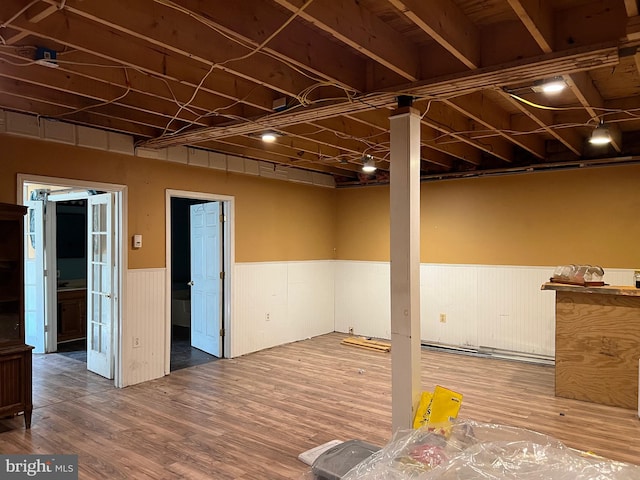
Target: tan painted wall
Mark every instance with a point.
(275, 220)
(545, 218)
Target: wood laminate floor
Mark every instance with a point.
(250, 417)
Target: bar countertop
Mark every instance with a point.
(606, 290)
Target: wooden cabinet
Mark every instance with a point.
(15, 356)
(597, 343)
(72, 314)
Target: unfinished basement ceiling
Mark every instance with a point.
(324, 75)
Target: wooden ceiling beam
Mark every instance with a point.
(289, 146)
(213, 95)
(356, 27)
(451, 122)
(34, 14)
(431, 156)
(238, 146)
(433, 138)
(46, 109)
(467, 82)
(443, 21)
(326, 141)
(361, 138)
(537, 17)
(73, 102)
(590, 98)
(109, 48)
(57, 81)
(346, 127)
(429, 136)
(633, 28)
(632, 7)
(378, 131)
(628, 107)
(254, 21)
(194, 42)
(544, 119)
(482, 110)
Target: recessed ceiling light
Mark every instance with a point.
(552, 85)
(269, 137)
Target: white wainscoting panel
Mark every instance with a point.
(144, 319)
(495, 307)
(363, 298)
(280, 302)
(484, 306)
(618, 276)
(449, 291)
(311, 298)
(513, 313)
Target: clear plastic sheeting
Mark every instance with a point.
(469, 450)
(578, 274)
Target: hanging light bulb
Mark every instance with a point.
(368, 164)
(600, 135)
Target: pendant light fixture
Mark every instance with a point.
(600, 135)
(368, 164)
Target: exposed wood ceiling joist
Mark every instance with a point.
(186, 72)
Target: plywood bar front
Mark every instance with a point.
(597, 343)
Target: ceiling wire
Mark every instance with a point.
(89, 107)
(193, 96)
(608, 111)
(215, 112)
(302, 97)
(235, 39)
(243, 57)
(129, 87)
(181, 106)
(542, 107)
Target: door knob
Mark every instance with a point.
(191, 283)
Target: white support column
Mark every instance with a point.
(405, 265)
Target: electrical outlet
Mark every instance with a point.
(136, 342)
(267, 317)
(443, 318)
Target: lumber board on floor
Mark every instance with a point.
(369, 344)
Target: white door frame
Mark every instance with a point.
(229, 262)
(121, 256)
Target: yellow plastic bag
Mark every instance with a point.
(437, 408)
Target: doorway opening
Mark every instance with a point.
(199, 263)
(73, 265)
(71, 274)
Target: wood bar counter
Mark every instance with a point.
(597, 343)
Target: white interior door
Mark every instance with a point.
(40, 279)
(206, 277)
(34, 299)
(100, 311)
